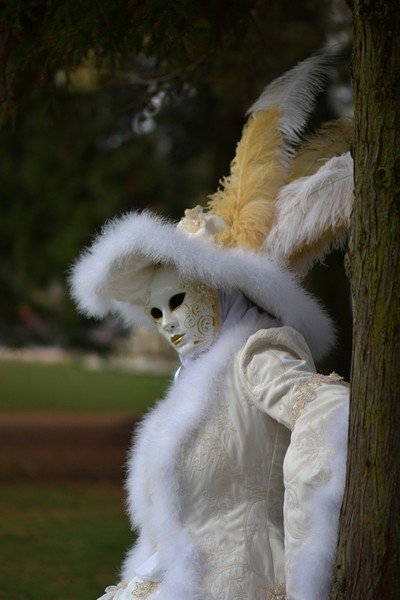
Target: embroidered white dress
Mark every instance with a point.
(237, 476)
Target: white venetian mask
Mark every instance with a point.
(185, 313)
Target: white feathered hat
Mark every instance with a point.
(248, 237)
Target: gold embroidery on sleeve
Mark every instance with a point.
(277, 592)
(144, 588)
(306, 391)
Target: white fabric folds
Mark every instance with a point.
(236, 477)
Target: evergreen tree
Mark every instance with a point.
(109, 106)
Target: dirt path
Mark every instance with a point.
(60, 446)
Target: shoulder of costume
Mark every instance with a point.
(285, 339)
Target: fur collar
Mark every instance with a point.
(153, 481)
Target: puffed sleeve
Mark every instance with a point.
(278, 376)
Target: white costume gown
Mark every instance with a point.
(237, 476)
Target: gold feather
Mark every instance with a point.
(247, 198)
(332, 139)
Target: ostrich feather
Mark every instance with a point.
(332, 139)
(247, 197)
(294, 93)
(246, 200)
(313, 215)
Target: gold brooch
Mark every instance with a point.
(193, 219)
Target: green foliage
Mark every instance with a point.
(61, 541)
(83, 137)
(63, 175)
(151, 40)
(70, 387)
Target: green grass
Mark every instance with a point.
(61, 541)
(70, 387)
(64, 540)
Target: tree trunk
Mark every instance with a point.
(368, 561)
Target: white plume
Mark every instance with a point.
(313, 215)
(294, 93)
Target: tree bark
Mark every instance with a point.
(368, 560)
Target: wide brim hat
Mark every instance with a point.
(227, 246)
(114, 274)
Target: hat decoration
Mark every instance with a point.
(284, 204)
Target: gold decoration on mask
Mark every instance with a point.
(203, 295)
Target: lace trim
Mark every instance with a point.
(134, 589)
(277, 592)
(122, 585)
(306, 391)
(144, 588)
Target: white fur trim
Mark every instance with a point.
(312, 568)
(113, 274)
(155, 454)
(310, 207)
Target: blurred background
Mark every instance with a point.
(108, 107)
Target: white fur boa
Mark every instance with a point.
(153, 481)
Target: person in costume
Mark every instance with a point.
(236, 477)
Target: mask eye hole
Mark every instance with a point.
(176, 301)
(156, 313)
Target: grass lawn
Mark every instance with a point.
(70, 387)
(61, 541)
